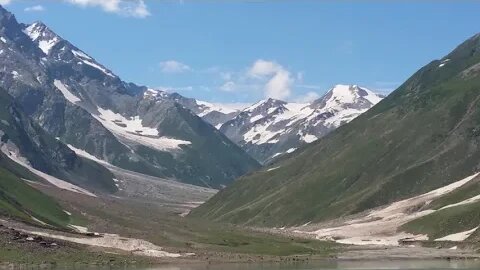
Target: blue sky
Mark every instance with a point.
(241, 51)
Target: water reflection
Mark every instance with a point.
(337, 265)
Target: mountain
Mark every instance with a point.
(27, 152)
(422, 137)
(271, 128)
(214, 113)
(85, 105)
(26, 144)
(20, 201)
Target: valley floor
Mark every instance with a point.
(153, 209)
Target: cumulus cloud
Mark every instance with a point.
(228, 86)
(268, 79)
(36, 8)
(278, 80)
(172, 66)
(129, 8)
(5, 2)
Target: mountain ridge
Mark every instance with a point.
(84, 104)
(422, 136)
(271, 128)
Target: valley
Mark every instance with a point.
(99, 171)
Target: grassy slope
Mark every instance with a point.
(20, 201)
(423, 136)
(64, 256)
(448, 221)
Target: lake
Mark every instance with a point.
(336, 265)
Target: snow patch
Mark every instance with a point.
(81, 54)
(16, 157)
(225, 108)
(133, 130)
(87, 155)
(443, 63)
(45, 40)
(79, 229)
(154, 93)
(3, 39)
(15, 74)
(38, 221)
(458, 237)
(274, 168)
(66, 93)
(276, 155)
(255, 118)
(97, 66)
(114, 241)
(380, 227)
(47, 45)
(467, 201)
(309, 138)
(291, 150)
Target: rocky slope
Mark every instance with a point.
(215, 114)
(29, 147)
(85, 105)
(271, 128)
(423, 136)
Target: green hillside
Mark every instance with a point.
(422, 136)
(20, 201)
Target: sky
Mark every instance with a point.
(235, 51)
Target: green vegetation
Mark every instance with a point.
(20, 201)
(221, 238)
(65, 255)
(465, 192)
(447, 221)
(423, 136)
(238, 241)
(165, 228)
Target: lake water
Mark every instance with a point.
(336, 265)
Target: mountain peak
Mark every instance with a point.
(42, 35)
(5, 14)
(346, 94)
(265, 104)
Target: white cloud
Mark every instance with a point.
(35, 8)
(278, 86)
(263, 68)
(172, 66)
(129, 8)
(5, 2)
(279, 80)
(228, 86)
(307, 98)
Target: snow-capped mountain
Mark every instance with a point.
(214, 113)
(271, 128)
(85, 105)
